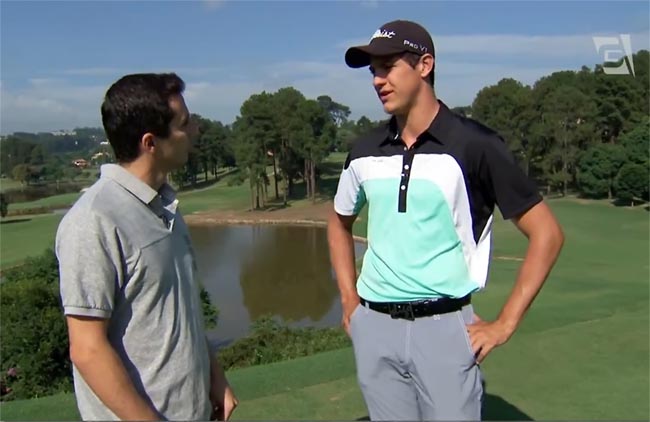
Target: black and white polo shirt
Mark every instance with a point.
(431, 206)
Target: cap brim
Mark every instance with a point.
(360, 55)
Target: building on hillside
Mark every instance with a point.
(64, 132)
(101, 158)
(81, 163)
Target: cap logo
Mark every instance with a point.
(416, 46)
(382, 34)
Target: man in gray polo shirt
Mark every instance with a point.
(128, 275)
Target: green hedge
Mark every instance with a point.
(271, 341)
(35, 359)
(34, 348)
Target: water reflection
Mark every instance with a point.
(251, 271)
(287, 274)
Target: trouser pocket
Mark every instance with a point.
(463, 320)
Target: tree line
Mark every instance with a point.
(279, 139)
(41, 157)
(582, 131)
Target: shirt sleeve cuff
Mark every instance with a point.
(88, 312)
(343, 211)
(523, 208)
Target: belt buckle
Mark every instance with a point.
(401, 310)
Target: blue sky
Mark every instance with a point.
(59, 57)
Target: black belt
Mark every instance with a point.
(419, 309)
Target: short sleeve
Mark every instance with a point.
(504, 182)
(89, 258)
(350, 196)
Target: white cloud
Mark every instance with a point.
(194, 71)
(93, 71)
(370, 4)
(222, 101)
(457, 82)
(213, 4)
(540, 46)
(57, 104)
(513, 46)
(49, 104)
(466, 63)
(219, 101)
(115, 72)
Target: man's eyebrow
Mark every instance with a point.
(388, 61)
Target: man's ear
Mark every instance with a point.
(427, 64)
(147, 142)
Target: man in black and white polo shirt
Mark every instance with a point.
(431, 180)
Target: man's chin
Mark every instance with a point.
(388, 108)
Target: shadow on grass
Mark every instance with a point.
(18, 220)
(631, 204)
(497, 409)
(494, 409)
(210, 181)
(198, 185)
(326, 188)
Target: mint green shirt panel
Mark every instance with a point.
(412, 255)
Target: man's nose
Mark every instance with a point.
(378, 81)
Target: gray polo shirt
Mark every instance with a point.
(125, 254)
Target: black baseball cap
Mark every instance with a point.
(392, 38)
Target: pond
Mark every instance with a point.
(255, 270)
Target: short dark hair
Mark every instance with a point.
(412, 59)
(137, 104)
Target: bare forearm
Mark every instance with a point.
(341, 246)
(104, 372)
(217, 372)
(543, 250)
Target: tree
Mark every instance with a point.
(567, 119)
(188, 172)
(345, 134)
(623, 100)
(319, 134)
(218, 148)
(37, 156)
(255, 131)
(507, 108)
(465, 111)
(20, 173)
(632, 183)
(291, 128)
(14, 151)
(71, 172)
(4, 205)
(598, 168)
(637, 144)
(201, 150)
(619, 103)
(338, 112)
(364, 125)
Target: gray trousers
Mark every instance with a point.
(416, 370)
